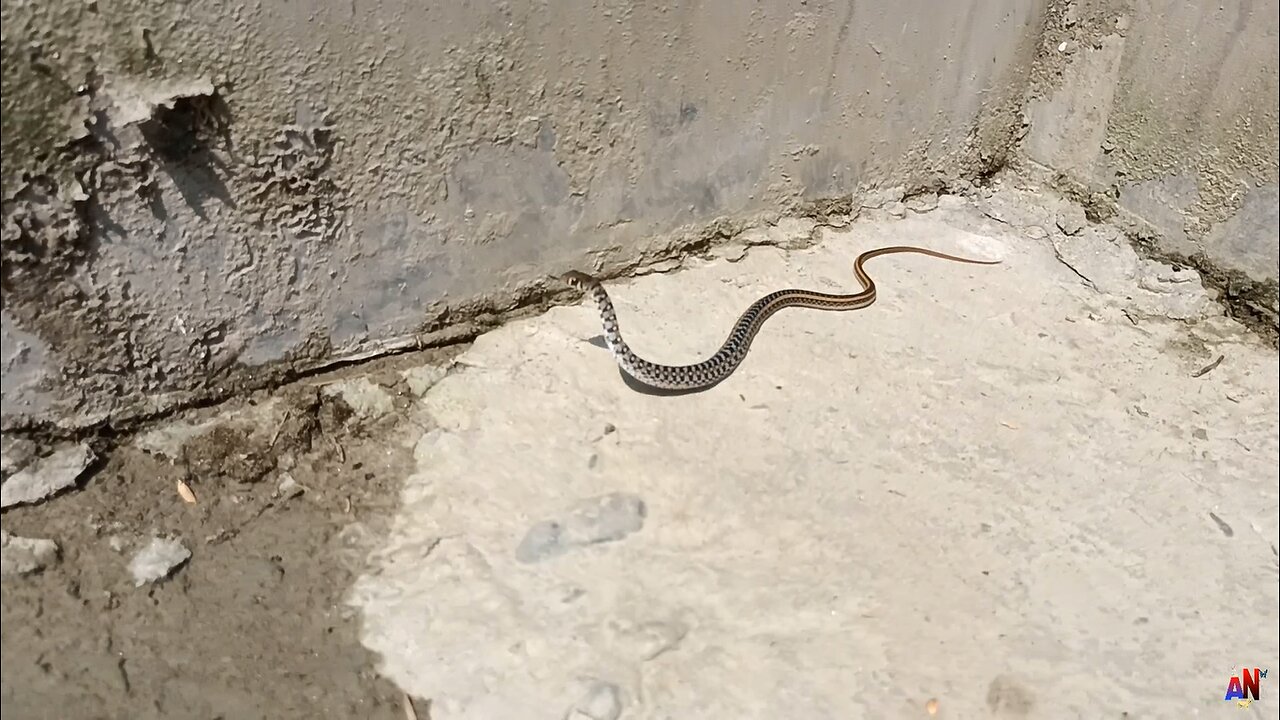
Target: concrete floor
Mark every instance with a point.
(1011, 490)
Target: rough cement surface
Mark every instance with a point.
(203, 198)
(1042, 489)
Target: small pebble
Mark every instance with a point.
(288, 487)
(157, 561)
(25, 556)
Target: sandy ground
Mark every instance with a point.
(1023, 491)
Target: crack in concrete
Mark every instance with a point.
(1057, 253)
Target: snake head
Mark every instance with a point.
(577, 280)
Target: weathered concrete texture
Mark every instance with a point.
(216, 192)
(1173, 108)
(1015, 490)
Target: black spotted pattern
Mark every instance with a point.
(734, 349)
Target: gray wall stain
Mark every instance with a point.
(268, 187)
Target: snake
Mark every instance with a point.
(733, 351)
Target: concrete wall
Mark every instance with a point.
(1168, 111)
(199, 196)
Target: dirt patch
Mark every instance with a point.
(290, 493)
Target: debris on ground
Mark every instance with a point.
(47, 476)
(24, 556)
(157, 560)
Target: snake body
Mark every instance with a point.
(731, 354)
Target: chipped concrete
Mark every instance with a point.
(951, 495)
(47, 476)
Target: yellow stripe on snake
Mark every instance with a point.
(731, 354)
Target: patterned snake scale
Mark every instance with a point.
(719, 366)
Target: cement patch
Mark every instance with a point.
(1012, 490)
